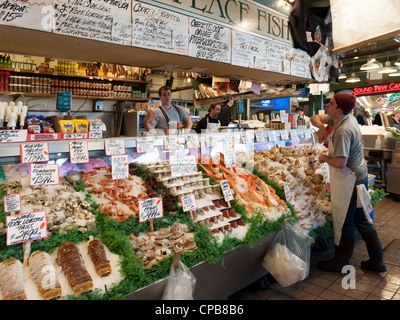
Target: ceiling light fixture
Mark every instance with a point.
(387, 68)
(342, 76)
(353, 78)
(370, 65)
(396, 73)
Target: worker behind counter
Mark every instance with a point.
(161, 117)
(210, 122)
(394, 120)
(225, 115)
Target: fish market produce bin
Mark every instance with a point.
(241, 267)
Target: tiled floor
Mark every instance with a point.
(328, 286)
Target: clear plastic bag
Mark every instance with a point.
(180, 284)
(288, 257)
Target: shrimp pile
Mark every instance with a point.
(118, 199)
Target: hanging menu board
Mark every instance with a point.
(159, 29)
(246, 49)
(209, 41)
(102, 20)
(27, 14)
(277, 57)
(300, 65)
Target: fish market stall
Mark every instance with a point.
(96, 214)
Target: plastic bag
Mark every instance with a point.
(364, 201)
(288, 258)
(180, 284)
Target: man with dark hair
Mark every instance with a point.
(210, 122)
(394, 120)
(359, 117)
(347, 170)
(226, 113)
(161, 117)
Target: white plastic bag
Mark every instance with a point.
(364, 201)
(180, 284)
(288, 258)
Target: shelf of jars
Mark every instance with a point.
(76, 96)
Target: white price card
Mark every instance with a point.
(26, 227)
(284, 135)
(286, 189)
(211, 140)
(248, 136)
(34, 152)
(271, 136)
(260, 136)
(44, 174)
(307, 134)
(172, 142)
(189, 202)
(120, 167)
(326, 175)
(78, 151)
(192, 141)
(12, 202)
(229, 152)
(183, 166)
(114, 147)
(13, 135)
(144, 144)
(95, 129)
(150, 209)
(226, 190)
(293, 135)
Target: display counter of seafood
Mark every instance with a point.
(95, 240)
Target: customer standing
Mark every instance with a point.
(394, 120)
(226, 111)
(359, 117)
(347, 170)
(161, 117)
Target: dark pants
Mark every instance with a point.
(355, 217)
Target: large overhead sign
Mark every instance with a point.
(358, 22)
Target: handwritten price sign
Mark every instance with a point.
(26, 227)
(183, 166)
(150, 209)
(114, 147)
(226, 190)
(189, 202)
(44, 174)
(79, 152)
(144, 144)
(119, 167)
(12, 203)
(34, 152)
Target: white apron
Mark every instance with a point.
(212, 127)
(342, 185)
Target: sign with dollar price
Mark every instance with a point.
(183, 166)
(114, 147)
(226, 190)
(150, 209)
(172, 142)
(95, 129)
(79, 152)
(284, 135)
(34, 152)
(189, 202)
(271, 136)
(119, 167)
(12, 202)
(44, 174)
(192, 141)
(26, 227)
(286, 189)
(260, 136)
(144, 144)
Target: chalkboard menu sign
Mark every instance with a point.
(102, 20)
(159, 29)
(209, 41)
(27, 14)
(247, 50)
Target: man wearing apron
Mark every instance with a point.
(210, 122)
(347, 170)
(161, 117)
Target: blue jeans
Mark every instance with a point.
(355, 217)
